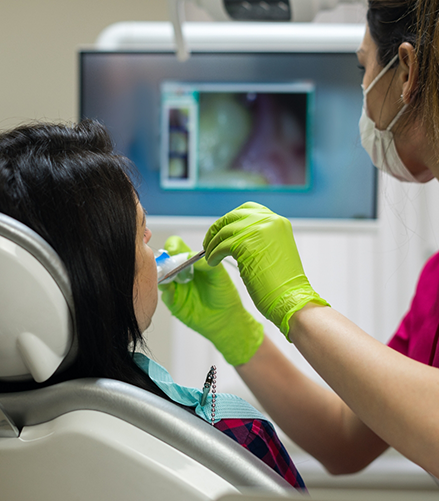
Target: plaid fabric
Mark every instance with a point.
(260, 438)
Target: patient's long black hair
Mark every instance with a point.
(67, 184)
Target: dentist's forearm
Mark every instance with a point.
(312, 416)
(395, 396)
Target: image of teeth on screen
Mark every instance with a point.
(225, 136)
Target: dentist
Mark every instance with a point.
(383, 395)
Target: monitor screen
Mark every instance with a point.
(236, 137)
(223, 128)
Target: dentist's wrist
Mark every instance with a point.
(241, 340)
(298, 322)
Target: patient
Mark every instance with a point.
(68, 185)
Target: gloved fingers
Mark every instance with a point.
(211, 274)
(202, 265)
(168, 291)
(227, 219)
(227, 233)
(177, 296)
(175, 245)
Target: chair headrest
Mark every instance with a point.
(36, 305)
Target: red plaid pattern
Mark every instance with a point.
(260, 438)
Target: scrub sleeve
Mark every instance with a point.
(417, 335)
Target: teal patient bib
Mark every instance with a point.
(227, 406)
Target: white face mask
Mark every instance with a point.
(380, 144)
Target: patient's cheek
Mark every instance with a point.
(145, 292)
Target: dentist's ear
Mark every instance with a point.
(410, 71)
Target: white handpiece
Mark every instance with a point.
(169, 267)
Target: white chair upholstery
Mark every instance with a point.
(94, 439)
(36, 329)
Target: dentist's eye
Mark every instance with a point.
(361, 68)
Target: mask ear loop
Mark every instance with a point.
(381, 73)
(400, 112)
(375, 80)
(398, 115)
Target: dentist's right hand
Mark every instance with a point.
(263, 245)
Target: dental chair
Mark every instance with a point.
(96, 439)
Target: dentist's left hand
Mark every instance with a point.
(210, 305)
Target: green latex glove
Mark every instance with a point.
(262, 243)
(210, 305)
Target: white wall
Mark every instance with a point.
(39, 40)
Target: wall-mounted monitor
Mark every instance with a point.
(223, 128)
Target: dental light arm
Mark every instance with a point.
(176, 14)
(249, 10)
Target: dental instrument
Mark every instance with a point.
(164, 262)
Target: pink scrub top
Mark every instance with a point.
(418, 333)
